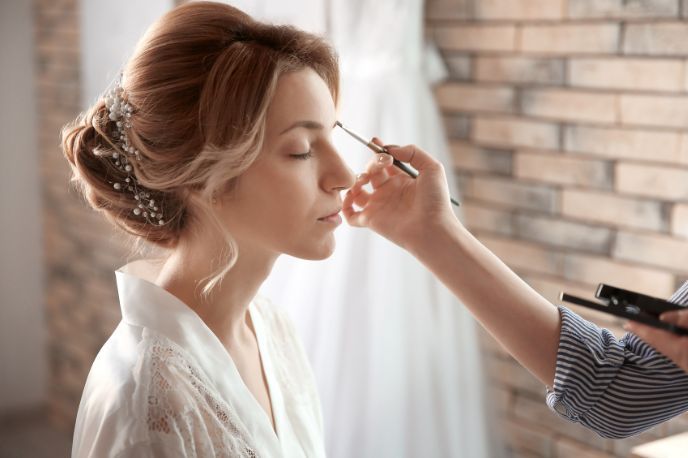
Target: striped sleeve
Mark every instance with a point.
(617, 388)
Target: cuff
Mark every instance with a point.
(588, 360)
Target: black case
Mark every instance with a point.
(630, 305)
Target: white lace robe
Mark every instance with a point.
(164, 385)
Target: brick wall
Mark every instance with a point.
(80, 296)
(567, 122)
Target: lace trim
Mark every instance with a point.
(181, 407)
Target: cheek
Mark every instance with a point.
(283, 200)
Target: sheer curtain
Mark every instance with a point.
(394, 353)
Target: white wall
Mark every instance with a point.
(23, 362)
(109, 32)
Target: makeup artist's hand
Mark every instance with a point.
(398, 207)
(672, 346)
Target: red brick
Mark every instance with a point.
(613, 210)
(449, 9)
(656, 39)
(570, 105)
(471, 97)
(679, 220)
(570, 39)
(561, 233)
(512, 194)
(467, 156)
(525, 256)
(622, 9)
(660, 111)
(480, 217)
(519, 70)
(504, 131)
(626, 73)
(656, 250)
(459, 66)
(476, 37)
(595, 269)
(563, 169)
(644, 145)
(660, 182)
(519, 9)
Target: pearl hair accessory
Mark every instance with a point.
(120, 112)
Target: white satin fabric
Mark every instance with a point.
(395, 354)
(164, 385)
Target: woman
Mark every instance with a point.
(216, 147)
(615, 387)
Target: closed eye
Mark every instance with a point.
(304, 156)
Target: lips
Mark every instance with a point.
(331, 214)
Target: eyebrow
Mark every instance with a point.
(307, 125)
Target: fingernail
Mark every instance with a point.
(669, 317)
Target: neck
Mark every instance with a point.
(225, 310)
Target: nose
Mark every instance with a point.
(338, 176)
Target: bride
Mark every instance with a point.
(215, 145)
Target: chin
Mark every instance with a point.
(316, 252)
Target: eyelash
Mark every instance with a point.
(304, 156)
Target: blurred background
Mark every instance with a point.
(567, 125)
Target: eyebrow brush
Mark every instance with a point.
(379, 149)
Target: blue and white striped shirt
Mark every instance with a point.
(617, 388)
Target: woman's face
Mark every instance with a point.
(280, 200)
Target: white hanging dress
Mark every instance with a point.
(395, 354)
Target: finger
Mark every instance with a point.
(352, 216)
(391, 170)
(361, 198)
(419, 159)
(379, 175)
(378, 162)
(379, 179)
(348, 210)
(361, 180)
(679, 318)
(358, 196)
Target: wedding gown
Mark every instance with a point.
(394, 353)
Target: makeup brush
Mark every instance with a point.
(379, 149)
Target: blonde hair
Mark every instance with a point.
(200, 81)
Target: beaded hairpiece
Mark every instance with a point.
(120, 112)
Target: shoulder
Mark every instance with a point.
(106, 401)
(137, 380)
